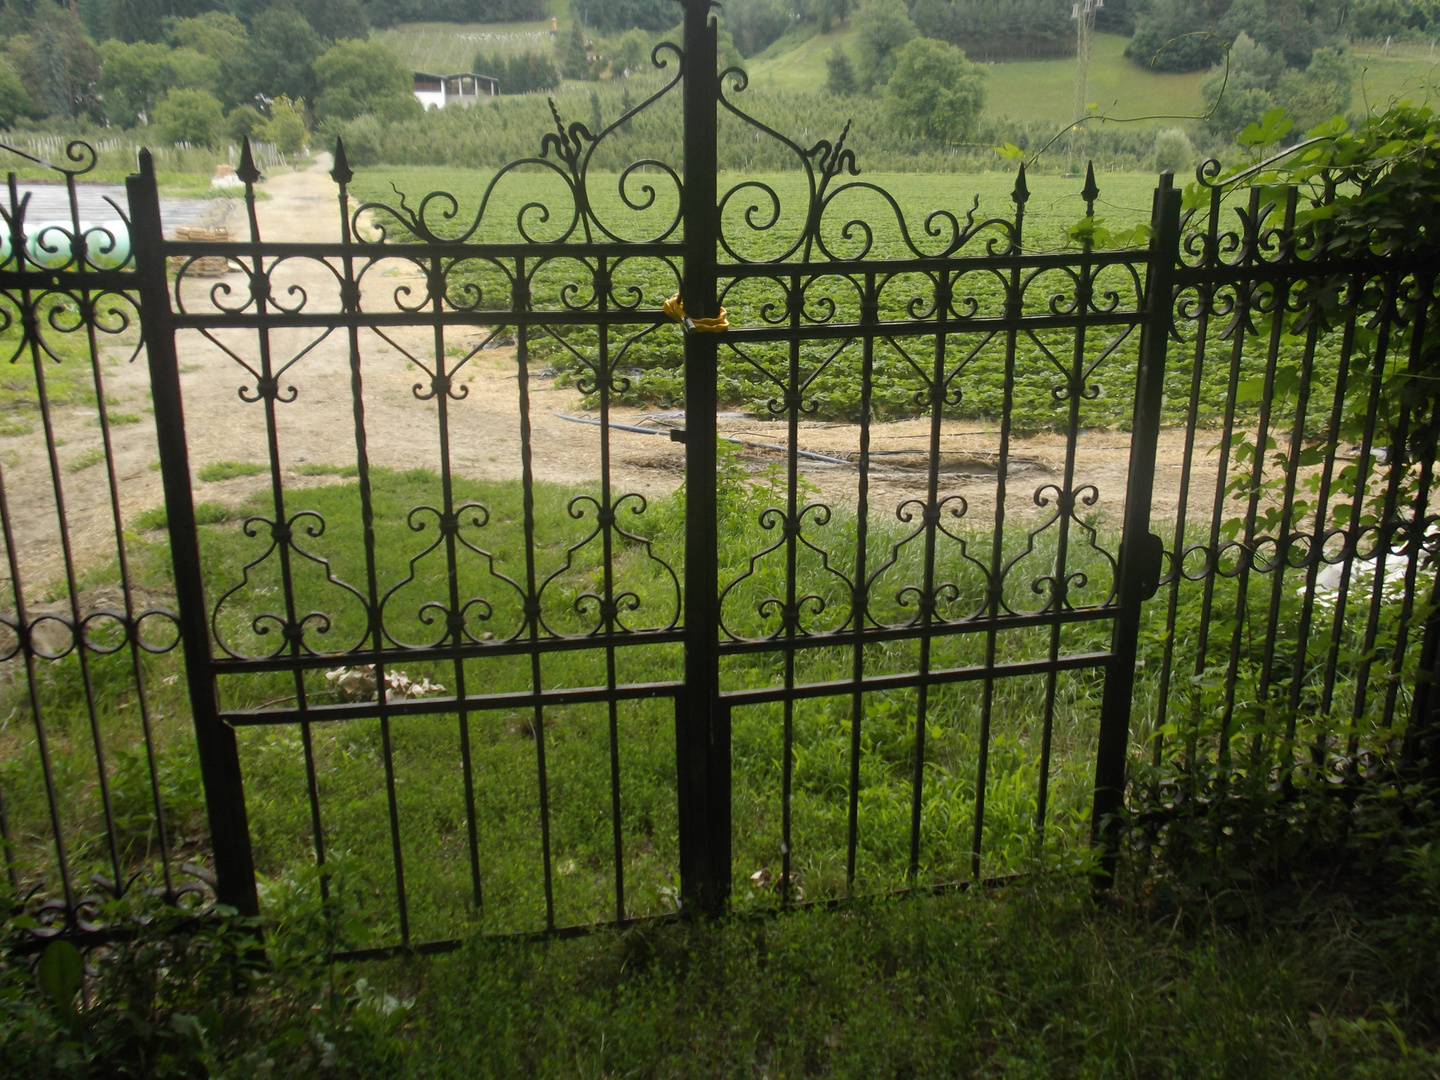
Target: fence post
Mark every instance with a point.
(702, 732)
(1141, 552)
(214, 740)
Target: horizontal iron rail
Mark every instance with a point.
(469, 651)
(432, 706)
(372, 252)
(933, 677)
(841, 637)
(248, 320)
(844, 637)
(529, 699)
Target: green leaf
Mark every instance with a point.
(1336, 125)
(1010, 151)
(60, 973)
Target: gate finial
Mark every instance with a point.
(341, 172)
(246, 171)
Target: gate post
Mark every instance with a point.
(214, 740)
(1141, 552)
(702, 732)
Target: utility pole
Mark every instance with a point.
(1083, 12)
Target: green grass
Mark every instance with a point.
(1028, 982)
(1119, 87)
(316, 468)
(1041, 90)
(1406, 73)
(206, 513)
(85, 460)
(229, 470)
(797, 61)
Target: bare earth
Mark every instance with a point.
(318, 426)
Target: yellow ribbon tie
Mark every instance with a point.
(676, 310)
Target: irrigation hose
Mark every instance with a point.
(676, 310)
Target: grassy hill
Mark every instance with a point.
(1022, 89)
(1408, 71)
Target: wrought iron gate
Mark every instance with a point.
(827, 644)
(859, 611)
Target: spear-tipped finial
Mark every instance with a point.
(1021, 195)
(340, 172)
(247, 172)
(1091, 191)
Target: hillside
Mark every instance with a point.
(1022, 90)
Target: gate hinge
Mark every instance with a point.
(1149, 556)
(677, 435)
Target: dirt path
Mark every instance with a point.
(317, 427)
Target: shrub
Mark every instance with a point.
(286, 127)
(935, 92)
(192, 116)
(358, 77)
(1174, 151)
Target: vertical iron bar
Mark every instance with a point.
(1075, 381)
(87, 316)
(1115, 706)
(994, 583)
(790, 616)
(609, 616)
(214, 740)
(520, 302)
(1182, 503)
(860, 598)
(927, 589)
(28, 322)
(1322, 499)
(704, 785)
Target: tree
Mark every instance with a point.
(336, 20)
(610, 16)
(243, 120)
(1247, 93)
(363, 77)
(1172, 37)
(283, 48)
(215, 34)
(881, 27)
(195, 71)
(1280, 25)
(133, 78)
(934, 91)
(57, 63)
(286, 127)
(576, 64)
(131, 20)
(14, 101)
(631, 53)
(840, 74)
(1323, 90)
(755, 23)
(189, 116)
